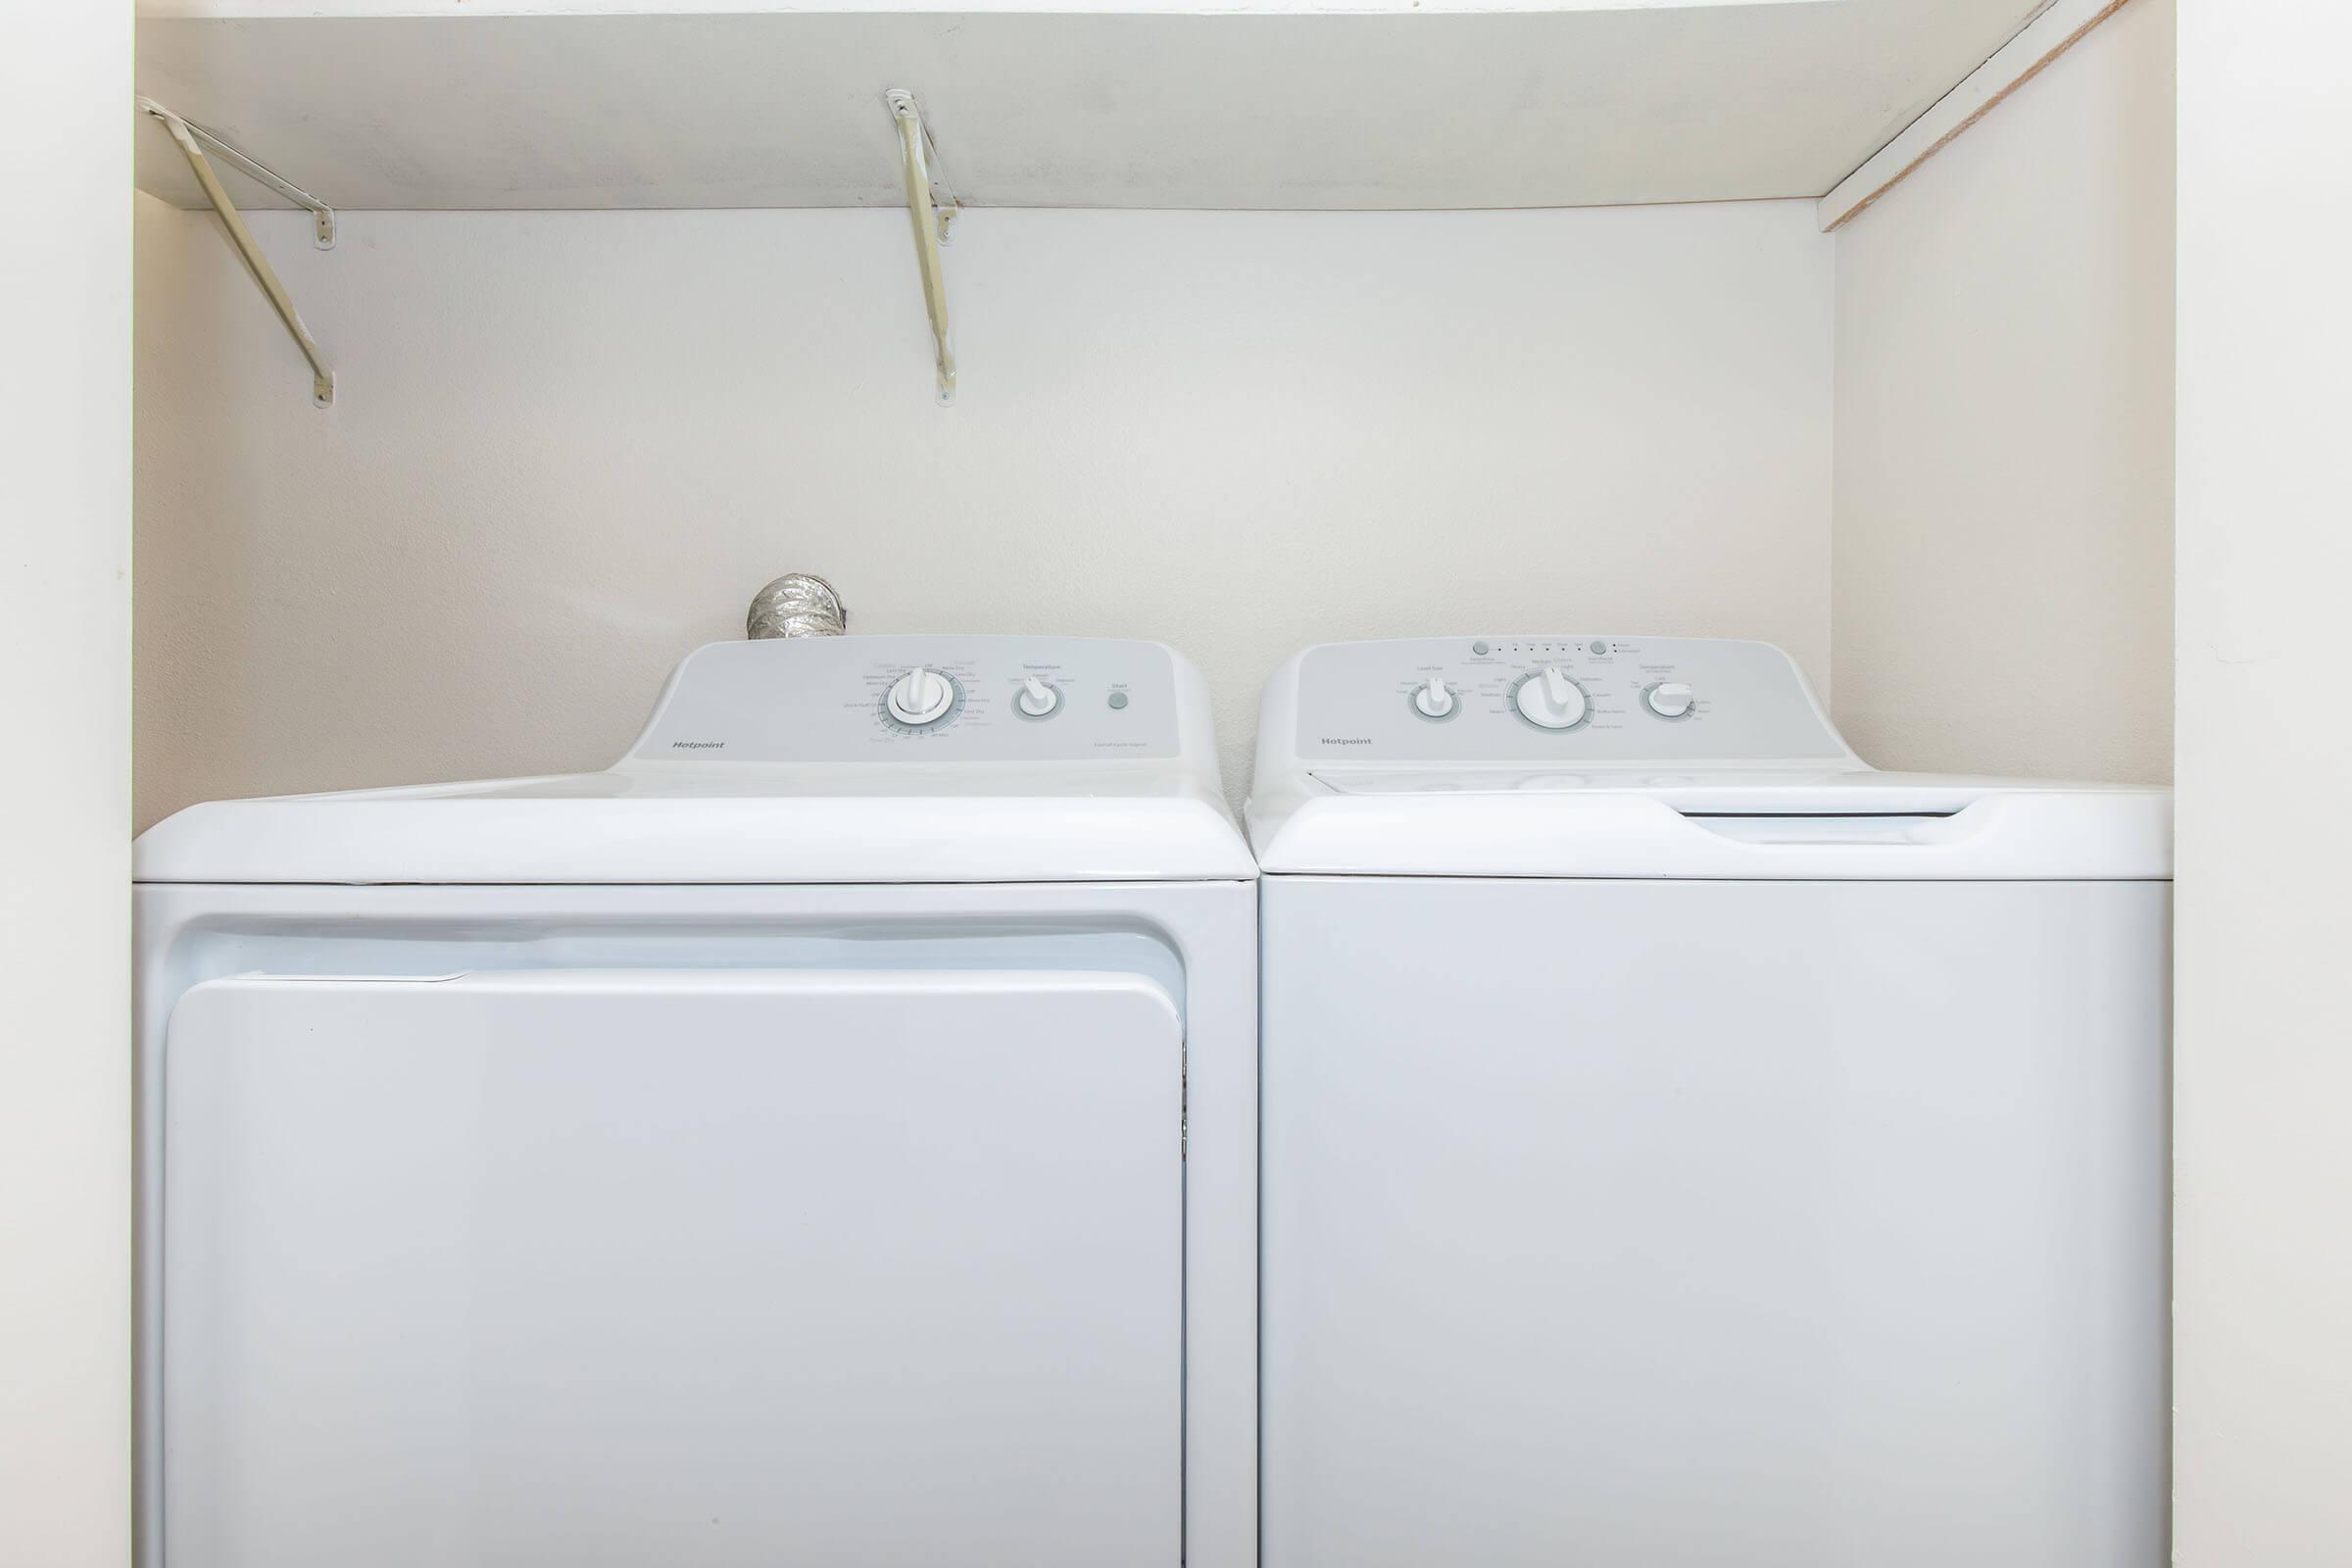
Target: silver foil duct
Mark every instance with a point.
(797, 605)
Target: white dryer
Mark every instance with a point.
(1685, 1146)
(825, 1136)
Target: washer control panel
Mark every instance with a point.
(1512, 699)
(943, 699)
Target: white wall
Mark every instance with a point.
(568, 447)
(64, 672)
(2003, 540)
(2263, 1140)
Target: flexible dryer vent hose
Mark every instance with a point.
(797, 605)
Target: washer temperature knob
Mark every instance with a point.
(1549, 699)
(1036, 698)
(922, 697)
(1434, 700)
(1670, 699)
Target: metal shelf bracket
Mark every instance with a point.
(930, 209)
(192, 140)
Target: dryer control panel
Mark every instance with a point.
(1558, 697)
(919, 699)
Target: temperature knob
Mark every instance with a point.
(1549, 699)
(1037, 699)
(1435, 700)
(1670, 699)
(922, 697)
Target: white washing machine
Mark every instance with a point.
(826, 1137)
(1685, 1146)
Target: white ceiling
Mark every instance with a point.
(1386, 106)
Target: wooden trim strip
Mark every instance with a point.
(2048, 35)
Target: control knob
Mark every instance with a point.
(922, 697)
(1670, 699)
(1435, 700)
(1036, 698)
(1549, 699)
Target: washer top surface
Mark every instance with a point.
(1583, 754)
(893, 760)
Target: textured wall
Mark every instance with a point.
(64, 684)
(2004, 429)
(568, 447)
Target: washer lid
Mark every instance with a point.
(1798, 824)
(835, 759)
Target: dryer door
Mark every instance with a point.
(606, 1267)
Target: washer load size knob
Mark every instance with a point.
(1435, 700)
(922, 697)
(1549, 699)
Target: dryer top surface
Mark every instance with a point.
(884, 759)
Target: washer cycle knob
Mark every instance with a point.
(1435, 700)
(922, 697)
(1549, 699)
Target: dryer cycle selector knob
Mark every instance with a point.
(1435, 700)
(922, 697)
(1670, 699)
(1037, 699)
(1549, 699)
